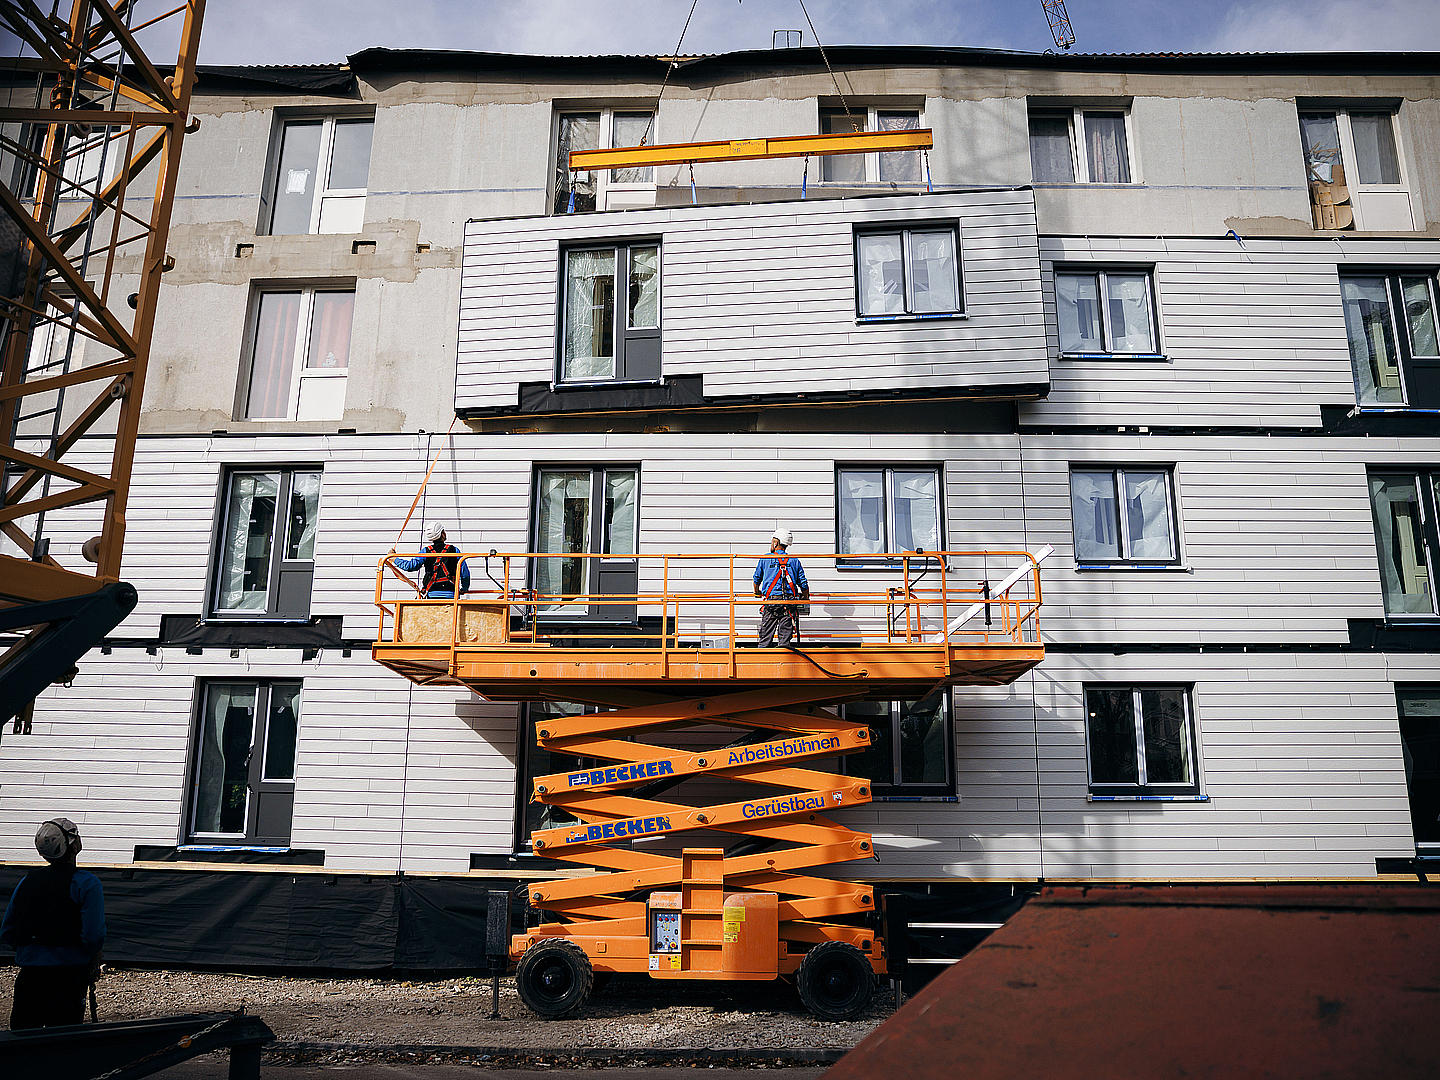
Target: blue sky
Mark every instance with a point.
(326, 31)
(319, 31)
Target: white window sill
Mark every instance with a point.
(1087, 184)
(925, 317)
(1135, 567)
(1147, 798)
(916, 798)
(1396, 407)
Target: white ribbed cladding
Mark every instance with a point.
(760, 299)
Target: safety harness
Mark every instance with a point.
(439, 573)
(788, 591)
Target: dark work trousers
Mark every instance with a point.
(777, 620)
(49, 996)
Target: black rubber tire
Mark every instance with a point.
(554, 977)
(835, 981)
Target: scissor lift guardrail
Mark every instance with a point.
(682, 698)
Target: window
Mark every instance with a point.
(882, 510)
(1394, 345)
(93, 157)
(604, 189)
(244, 784)
(911, 746)
(580, 511)
(265, 561)
(1420, 739)
(1140, 741)
(1404, 504)
(908, 272)
(322, 166)
(885, 167)
(537, 761)
(1353, 167)
(610, 322)
(1123, 516)
(1080, 146)
(1122, 324)
(299, 354)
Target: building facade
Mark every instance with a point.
(1175, 316)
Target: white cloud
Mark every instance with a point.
(1330, 26)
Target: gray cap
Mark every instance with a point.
(55, 838)
(435, 531)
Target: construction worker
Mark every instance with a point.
(778, 578)
(56, 925)
(438, 581)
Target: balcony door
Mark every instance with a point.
(579, 511)
(244, 785)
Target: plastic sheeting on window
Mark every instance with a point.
(619, 513)
(882, 275)
(1092, 506)
(644, 299)
(1105, 148)
(577, 131)
(934, 284)
(1371, 335)
(563, 526)
(1404, 562)
(304, 516)
(862, 512)
(1077, 304)
(899, 166)
(249, 526)
(1420, 316)
(1147, 513)
(916, 510)
(589, 315)
(227, 732)
(1131, 323)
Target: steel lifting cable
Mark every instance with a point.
(839, 93)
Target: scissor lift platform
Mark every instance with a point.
(679, 697)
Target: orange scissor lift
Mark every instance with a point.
(681, 700)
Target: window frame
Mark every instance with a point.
(1142, 791)
(603, 179)
(905, 229)
(324, 163)
(610, 567)
(1426, 479)
(1411, 691)
(258, 786)
(1100, 273)
(1074, 116)
(1122, 525)
(626, 340)
(876, 562)
(897, 790)
(872, 159)
(1410, 364)
(1350, 160)
(272, 612)
(299, 374)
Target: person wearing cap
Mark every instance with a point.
(778, 577)
(438, 581)
(56, 925)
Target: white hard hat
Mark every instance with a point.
(435, 531)
(785, 536)
(55, 838)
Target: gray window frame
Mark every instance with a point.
(630, 345)
(1101, 273)
(904, 230)
(1418, 372)
(897, 789)
(874, 562)
(1143, 789)
(1428, 503)
(302, 569)
(1126, 561)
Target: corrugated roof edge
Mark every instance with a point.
(328, 79)
(1425, 63)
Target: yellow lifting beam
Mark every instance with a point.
(858, 142)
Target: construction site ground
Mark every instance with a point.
(635, 1021)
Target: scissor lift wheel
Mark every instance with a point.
(835, 981)
(554, 977)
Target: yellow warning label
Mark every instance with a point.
(675, 963)
(734, 914)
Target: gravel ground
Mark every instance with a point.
(632, 1015)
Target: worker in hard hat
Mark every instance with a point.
(438, 581)
(780, 582)
(56, 925)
